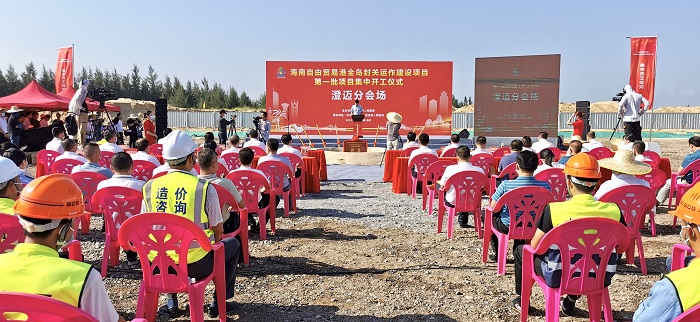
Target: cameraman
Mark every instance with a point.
(77, 110)
(264, 127)
(223, 124)
(630, 109)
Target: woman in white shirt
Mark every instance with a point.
(547, 157)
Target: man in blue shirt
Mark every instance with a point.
(694, 144)
(515, 147)
(526, 164)
(575, 147)
(92, 154)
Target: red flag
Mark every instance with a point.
(64, 69)
(643, 67)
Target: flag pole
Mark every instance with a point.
(72, 60)
(656, 53)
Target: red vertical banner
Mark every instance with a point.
(643, 67)
(64, 69)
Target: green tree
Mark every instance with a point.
(29, 74)
(217, 97)
(261, 102)
(245, 100)
(470, 100)
(233, 100)
(134, 83)
(155, 87)
(47, 78)
(99, 79)
(14, 84)
(455, 102)
(167, 88)
(4, 90)
(179, 97)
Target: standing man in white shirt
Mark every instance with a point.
(624, 171)
(631, 107)
(480, 146)
(70, 148)
(463, 164)
(111, 145)
(119, 128)
(78, 110)
(356, 109)
(592, 142)
(454, 144)
(55, 143)
(542, 142)
(253, 134)
(142, 146)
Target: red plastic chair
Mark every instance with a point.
(555, 151)
(421, 163)
(276, 171)
(449, 153)
(680, 251)
(656, 179)
(117, 204)
(232, 160)
(258, 151)
(557, 182)
(692, 315)
(12, 233)
(508, 171)
(87, 181)
(407, 152)
(500, 152)
(469, 186)
(163, 232)
(601, 153)
(525, 207)
(155, 149)
(656, 158)
(635, 202)
(249, 183)
(226, 200)
(106, 159)
(484, 161)
(681, 188)
(588, 238)
(299, 183)
(40, 308)
(433, 173)
(46, 159)
(64, 166)
(143, 170)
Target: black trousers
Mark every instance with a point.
(635, 129)
(203, 267)
(222, 137)
(518, 259)
(502, 228)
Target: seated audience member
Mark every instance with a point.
(143, 146)
(547, 157)
(212, 145)
(70, 148)
(410, 141)
(208, 166)
(253, 134)
(246, 156)
(638, 148)
(516, 146)
(10, 187)
(20, 159)
(480, 146)
(694, 144)
(575, 147)
(424, 140)
(234, 141)
(111, 144)
(582, 174)
(677, 291)
(209, 137)
(287, 146)
(527, 143)
(165, 133)
(624, 171)
(525, 165)
(93, 154)
(629, 141)
(454, 144)
(55, 144)
(272, 147)
(592, 142)
(542, 142)
(463, 164)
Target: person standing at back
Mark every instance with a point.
(631, 107)
(4, 134)
(15, 121)
(265, 127)
(118, 128)
(149, 130)
(393, 125)
(223, 127)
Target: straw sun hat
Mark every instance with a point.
(623, 162)
(14, 109)
(394, 117)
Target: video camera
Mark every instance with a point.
(618, 96)
(100, 94)
(256, 122)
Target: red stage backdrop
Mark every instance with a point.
(311, 94)
(515, 96)
(643, 67)
(64, 69)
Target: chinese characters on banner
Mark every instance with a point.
(64, 69)
(516, 95)
(643, 67)
(307, 94)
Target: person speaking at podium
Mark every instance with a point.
(357, 115)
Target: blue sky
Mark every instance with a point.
(229, 41)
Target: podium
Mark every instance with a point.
(357, 124)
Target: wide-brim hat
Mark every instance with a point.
(14, 109)
(623, 162)
(394, 117)
(133, 116)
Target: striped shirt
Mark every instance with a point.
(508, 185)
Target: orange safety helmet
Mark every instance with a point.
(689, 206)
(55, 196)
(582, 165)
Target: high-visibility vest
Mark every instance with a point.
(6, 206)
(685, 281)
(181, 194)
(37, 269)
(582, 206)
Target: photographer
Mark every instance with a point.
(630, 109)
(264, 127)
(77, 110)
(223, 124)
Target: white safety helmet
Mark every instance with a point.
(9, 171)
(177, 145)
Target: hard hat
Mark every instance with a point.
(9, 170)
(54, 196)
(689, 206)
(582, 165)
(178, 144)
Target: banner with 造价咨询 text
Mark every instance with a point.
(643, 67)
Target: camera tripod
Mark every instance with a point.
(615, 129)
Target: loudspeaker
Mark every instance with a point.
(161, 116)
(585, 108)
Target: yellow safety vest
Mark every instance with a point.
(685, 281)
(582, 206)
(37, 269)
(181, 194)
(7, 206)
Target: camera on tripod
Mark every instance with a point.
(618, 96)
(256, 121)
(100, 94)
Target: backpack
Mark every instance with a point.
(71, 125)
